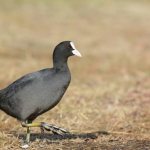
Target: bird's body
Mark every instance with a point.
(35, 93)
(38, 92)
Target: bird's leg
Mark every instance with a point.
(28, 131)
(47, 127)
(28, 135)
(35, 124)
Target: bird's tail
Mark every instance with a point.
(1, 99)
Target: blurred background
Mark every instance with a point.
(110, 88)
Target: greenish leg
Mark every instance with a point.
(28, 131)
(43, 126)
(28, 135)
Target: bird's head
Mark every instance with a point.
(66, 49)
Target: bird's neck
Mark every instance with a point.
(60, 64)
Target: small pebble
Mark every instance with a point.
(24, 146)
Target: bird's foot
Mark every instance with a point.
(53, 128)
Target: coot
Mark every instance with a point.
(38, 92)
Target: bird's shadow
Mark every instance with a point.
(55, 137)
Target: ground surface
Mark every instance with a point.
(107, 106)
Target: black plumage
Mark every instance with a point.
(38, 92)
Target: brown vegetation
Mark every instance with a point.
(107, 105)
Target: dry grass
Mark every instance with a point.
(110, 89)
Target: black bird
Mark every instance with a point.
(38, 92)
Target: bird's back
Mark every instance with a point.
(34, 93)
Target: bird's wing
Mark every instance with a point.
(24, 81)
(20, 84)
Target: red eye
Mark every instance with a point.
(70, 46)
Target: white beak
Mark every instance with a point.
(77, 53)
